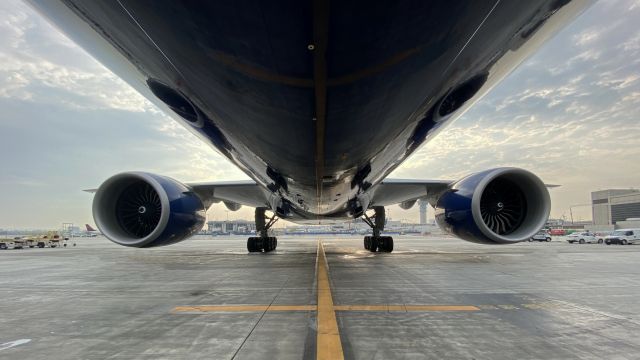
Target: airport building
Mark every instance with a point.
(232, 226)
(612, 206)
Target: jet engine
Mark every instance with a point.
(497, 206)
(145, 210)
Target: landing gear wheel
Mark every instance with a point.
(387, 243)
(376, 222)
(259, 244)
(263, 242)
(251, 245)
(273, 243)
(373, 244)
(378, 243)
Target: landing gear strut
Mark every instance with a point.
(263, 242)
(376, 242)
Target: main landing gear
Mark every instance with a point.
(376, 242)
(263, 242)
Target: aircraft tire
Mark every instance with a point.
(251, 245)
(387, 244)
(271, 243)
(373, 244)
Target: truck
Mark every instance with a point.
(52, 239)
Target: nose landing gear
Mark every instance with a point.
(376, 242)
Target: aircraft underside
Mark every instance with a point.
(317, 102)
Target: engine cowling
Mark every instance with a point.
(145, 210)
(497, 206)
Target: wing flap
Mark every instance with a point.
(397, 191)
(246, 192)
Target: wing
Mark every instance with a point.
(406, 191)
(232, 193)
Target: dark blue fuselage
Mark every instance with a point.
(316, 101)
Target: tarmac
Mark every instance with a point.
(321, 298)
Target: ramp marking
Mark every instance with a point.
(328, 343)
(10, 344)
(406, 308)
(242, 308)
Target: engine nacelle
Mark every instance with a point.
(497, 206)
(145, 210)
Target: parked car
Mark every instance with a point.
(541, 236)
(623, 237)
(582, 237)
(600, 235)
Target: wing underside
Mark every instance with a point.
(232, 193)
(406, 191)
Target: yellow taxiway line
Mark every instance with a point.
(241, 308)
(328, 343)
(406, 308)
(269, 308)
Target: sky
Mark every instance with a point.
(570, 114)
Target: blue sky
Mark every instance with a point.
(570, 114)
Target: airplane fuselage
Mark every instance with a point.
(316, 102)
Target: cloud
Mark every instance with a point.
(586, 37)
(37, 63)
(569, 114)
(62, 127)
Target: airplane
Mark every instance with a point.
(90, 231)
(317, 102)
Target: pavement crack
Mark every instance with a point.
(244, 341)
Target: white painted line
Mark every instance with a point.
(14, 343)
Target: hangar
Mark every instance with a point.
(615, 205)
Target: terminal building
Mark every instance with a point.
(233, 226)
(615, 206)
